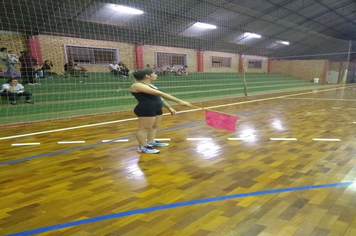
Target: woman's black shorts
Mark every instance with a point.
(147, 112)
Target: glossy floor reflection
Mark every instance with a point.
(273, 148)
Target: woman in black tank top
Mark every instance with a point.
(149, 108)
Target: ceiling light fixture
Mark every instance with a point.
(284, 42)
(204, 25)
(252, 35)
(128, 10)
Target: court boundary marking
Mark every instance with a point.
(173, 205)
(323, 99)
(191, 110)
(120, 140)
(92, 145)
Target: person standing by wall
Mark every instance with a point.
(28, 64)
(13, 59)
(4, 59)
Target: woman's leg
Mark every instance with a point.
(152, 132)
(11, 96)
(27, 95)
(52, 72)
(145, 125)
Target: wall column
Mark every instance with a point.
(139, 56)
(269, 65)
(326, 69)
(200, 61)
(35, 48)
(241, 64)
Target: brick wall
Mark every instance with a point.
(149, 55)
(247, 58)
(15, 42)
(52, 49)
(207, 61)
(303, 69)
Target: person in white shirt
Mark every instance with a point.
(13, 59)
(171, 69)
(12, 89)
(115, 69)
(4, 59)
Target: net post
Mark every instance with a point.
(344, 77)
(244, 80)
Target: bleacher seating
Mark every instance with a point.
(59, 97)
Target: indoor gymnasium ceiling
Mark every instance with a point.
(310, 26)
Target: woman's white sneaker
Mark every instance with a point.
(147, 149)
(157, 144)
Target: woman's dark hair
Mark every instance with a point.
(138, 75)
(48, 62)
(3, 49)
(10, 80)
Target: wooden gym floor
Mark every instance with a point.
(256, 183)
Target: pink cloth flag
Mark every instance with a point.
(220, 120)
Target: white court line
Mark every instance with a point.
(236, 139)
(24, 144)
(283, 139)
(65, 142)
(265, 99)
(327, 139)
(198, 139)
(118, 121)
(70, 128)
(354, 122)
(116, 141)
(163, 139)
(323, 99)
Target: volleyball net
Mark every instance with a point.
(201, 50)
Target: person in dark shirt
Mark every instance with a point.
(28, 63)
(183, 71)
(149, 108)
(72, 68)
(47, 69)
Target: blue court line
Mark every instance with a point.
(172, 205)
(92, 145)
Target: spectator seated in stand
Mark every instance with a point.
(171, 69)
(47, 69)
(72, 68)
(183, 71)
(124, 68)
(158, 70)
(115, 69)
(12, 89)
